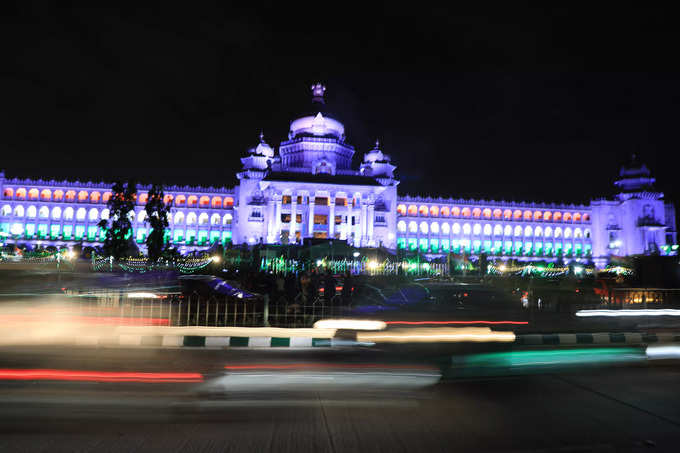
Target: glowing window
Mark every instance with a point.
(577, 217)
(226, 220)
(455, 212)
(578, 233)
(143, 199)
(538, 215)
(466, 228)
(528, 232)
(423, 210)
(413, 226)
(498, 230)
(538, 231)
(466, 212)
(434, 211)
(106, 197)
(476, 229)
(518, 230)
(517, 214)
(567, 233)
(557, 217)
(445, 211)
(70, 195)
(6, 210)
(141, 216)
(487, 229)
(528, 215)
(9, 193)
(507, 214)
(486, 213)
(423, 227)
(191, 219)
(80, 214)
(192, 201)
(46, 195)
(228, 202)
(586, 233)
(33, 194)
(548, 232)
(83, 195)
(31, 212)
(203, 219)
(586, 217)
(401, 209)
(412, 209)
(558, 232)
(105, 214)
(56, 213)
(21, 194)
(547, 215)
(567, 217)
(507, 231)
(434, 227)
(167, 199)
(455, 229)
(216, 202)
(93, 215)
(476, 213)
(179, 218)
(68, 213)
(58, 195)
(497, 213)
(95, 197)
(204, 201)
(446, 229)
(215, 219)
(180, 200)
(44, 212)
(131, 215)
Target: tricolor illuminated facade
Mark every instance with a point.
(309, 188)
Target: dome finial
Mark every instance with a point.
(261, 136)
(318, 91)
(377, 143)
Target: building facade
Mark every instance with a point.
(309, 189)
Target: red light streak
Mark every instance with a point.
(420, 323)
(95, 376)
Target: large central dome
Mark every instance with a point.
(318, 123)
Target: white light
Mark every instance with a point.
(437, 335)
(578, 269)
(390, 236)
(352, 324)
(501, 268)
(372, 265)
(215, 259)
(616, 313)
(663, 352)
(356, 254)
(319, 262)
(143, 295)
(70, 254)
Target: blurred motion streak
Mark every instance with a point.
(663, 352)
(420, 323)
(305, 366)
(436, 335)
(350, 324)
(96, 376)
(638, 312)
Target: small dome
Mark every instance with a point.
(263, 148)
(376, 155)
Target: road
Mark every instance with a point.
(632, 408)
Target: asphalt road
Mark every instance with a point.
(633, 408)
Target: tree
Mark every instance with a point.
(119, 242)
(157, 216)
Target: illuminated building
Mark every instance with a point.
(308, 188)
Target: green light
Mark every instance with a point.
(674, 247)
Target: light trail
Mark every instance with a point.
(421, 323)
(621, 313)
(96, 376)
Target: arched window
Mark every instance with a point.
(226, 220)
(434, 211)
(70, 195)
(80, 214)
(141, 216)
(33, 194)
(18, 211)
(477, 229)
(466, 212)
(517, 214)
(445, 211)
(68, 213)
(215, 220)
(487, 230)
(167, 199)
(422, 210)
(95, 196)
(105, 214)
(538, 215)
(538, 231)
(9, 193)
(586, 233)
(446, 229)
(83, 195)
(192, 201)
(507, 231)
(412, 209)
(557, 217)
(558, 232)
(179, 218)
(46, 195)
(518, 230)
(497, 213)
(567, 233)
(567, 216)
(586, 217)
(434, 227)
(216, 202)
(228, 202)
(131, 215)
(548, 232)
(507, 214)
(423, 227)
(203, 219)
(528, 215)
(93, 215)
(455, 212)
(528, 232)
(106, 197)
(476, 213)
(547, 215)
(180, 200)
(143, 199)
(58, 195)
(21, 194)
(486, 213)
(204, 201)
(577, 217)
(455, 228)
(44, 212)
(31, 212)
(466, 229)
(6, 210)
(578, 233)
(401, 209)
(413, 226)
(498, 230)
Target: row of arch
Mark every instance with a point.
(488, 213)
(103, 197)
(488, 230)
(94, 215)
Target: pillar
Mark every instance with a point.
(370, 219)
(310, 231)
(331, 217)
(293, 216)
(362, 225)
(277, 220)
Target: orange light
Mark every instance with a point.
(95, 376)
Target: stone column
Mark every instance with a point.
(271, 221)
(310, 230)
(331, 217)
(370, 219)
(277, 220)
(362, 224)
(348, 223)
(293, 216)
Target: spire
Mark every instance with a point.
(377, 144)
(318, 91)
(261, 136)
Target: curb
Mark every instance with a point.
(194, 341)
(596, 338)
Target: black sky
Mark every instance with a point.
(521, 102)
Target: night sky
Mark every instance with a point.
(522, 103)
